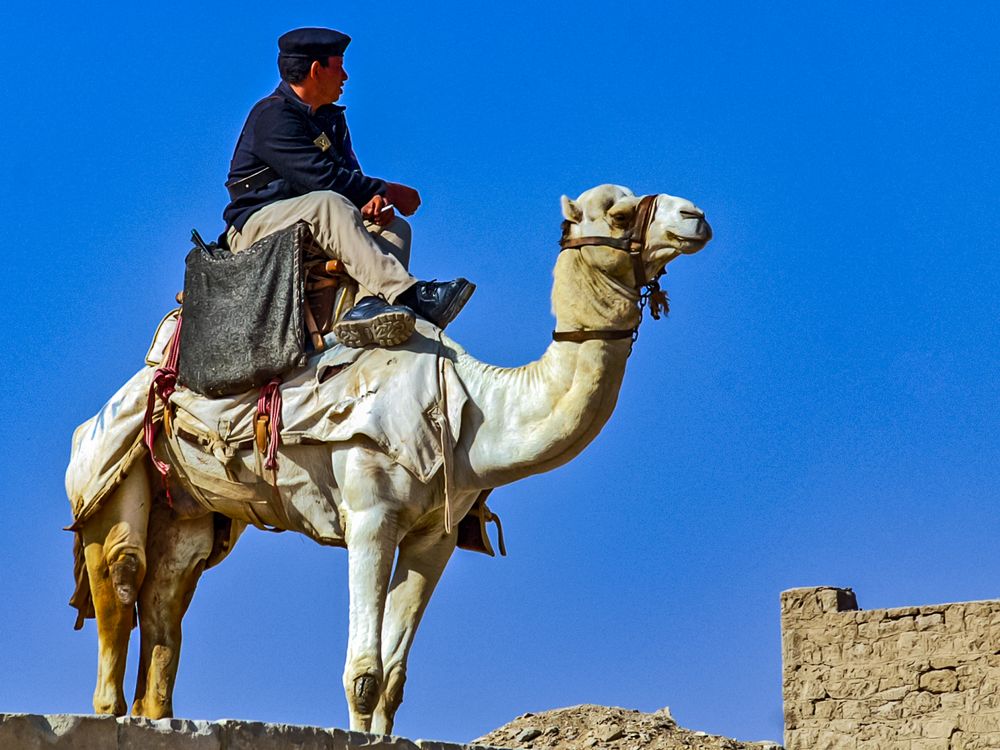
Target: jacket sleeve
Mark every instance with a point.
(282, 141)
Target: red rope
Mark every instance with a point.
(269, 404)
(163, 385)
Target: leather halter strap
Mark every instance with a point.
(578, 336)
(631, 242)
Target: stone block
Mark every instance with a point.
(802, 739)
(927, 622)
(893, 627)
(827, 710)
(945, 661)
(953, 703)
(906, 644)
(887, 712)
(255, 735)
(939, 681)
(812, 691)
(868, 631)
(854, 709)
(58, 732)
(168, 734)
(835, 741)
(376, 741)
(857, 652)
(982, 722)
(920, 703)
(809, 602)
(937, 728)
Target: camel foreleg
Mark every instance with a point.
(114, 542)
(178, 550)
(371, 545)
(422, 560)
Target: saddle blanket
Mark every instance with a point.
(408, 400)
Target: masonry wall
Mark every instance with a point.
(73, 732)
(913, 678)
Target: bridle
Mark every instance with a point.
(632, 242)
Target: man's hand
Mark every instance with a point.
(406, 199)
(378, 210)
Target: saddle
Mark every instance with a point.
(249, 318)
(253, 316)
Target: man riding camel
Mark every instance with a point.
(294, 162)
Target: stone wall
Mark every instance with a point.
(914, 678)
(71, 732)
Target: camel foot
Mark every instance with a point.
(124, 578)
(110, 706)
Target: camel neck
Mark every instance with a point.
(530, 419)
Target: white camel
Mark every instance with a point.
(517, 422)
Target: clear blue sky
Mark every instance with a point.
(821, 407)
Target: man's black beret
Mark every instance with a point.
(313, 43)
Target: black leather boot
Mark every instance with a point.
(375, 321)
(440, 302)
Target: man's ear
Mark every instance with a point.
(314, 69)
(571, 211)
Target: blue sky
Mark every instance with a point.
(821, 407)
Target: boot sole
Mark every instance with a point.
(387, 329)
(457, 304)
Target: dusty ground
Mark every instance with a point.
(604, 728)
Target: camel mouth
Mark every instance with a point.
(691, 240)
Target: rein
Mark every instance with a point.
(632, 242)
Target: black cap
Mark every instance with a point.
(313, 43)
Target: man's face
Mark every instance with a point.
(331, 79)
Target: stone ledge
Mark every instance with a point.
(87, 732)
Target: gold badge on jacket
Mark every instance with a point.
(323, 142)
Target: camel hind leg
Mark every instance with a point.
(178, 550)
(114, 542)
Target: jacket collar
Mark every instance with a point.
(288, 93)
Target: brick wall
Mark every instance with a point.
(913, 678)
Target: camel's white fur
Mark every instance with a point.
(518, 422)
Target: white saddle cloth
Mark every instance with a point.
(408, 400)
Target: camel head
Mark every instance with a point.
(678, 227)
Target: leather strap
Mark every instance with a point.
(632, 242)
(578, 336)
(574, 243)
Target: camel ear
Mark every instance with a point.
(571, 211)
(622, 212)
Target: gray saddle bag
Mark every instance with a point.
(242, 318)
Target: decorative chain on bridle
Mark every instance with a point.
(632, 242)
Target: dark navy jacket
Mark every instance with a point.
(282, 132)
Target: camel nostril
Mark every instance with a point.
(692, 213)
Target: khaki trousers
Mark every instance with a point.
(376, 257)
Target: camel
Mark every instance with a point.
(517, 422)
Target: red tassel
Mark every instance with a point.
(269, 404)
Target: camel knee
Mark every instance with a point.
(363, 686)
(126, 572)
(365, 694)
